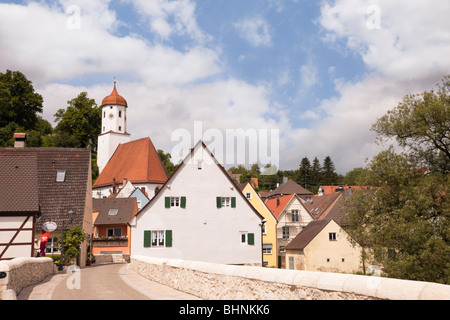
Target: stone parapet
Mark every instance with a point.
(224, 282)
(23, 272)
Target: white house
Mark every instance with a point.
(200, 215)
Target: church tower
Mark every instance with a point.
(114, 127)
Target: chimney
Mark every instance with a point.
(19, 140)
(125, 180)
(285, 180)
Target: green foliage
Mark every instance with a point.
(167, 162)
(18, 101)
(405, 220)
(81, 120)
(72, 241)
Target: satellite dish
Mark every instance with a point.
(49, 226)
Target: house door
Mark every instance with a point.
(16, 236)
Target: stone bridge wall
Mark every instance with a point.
(214, 281)
(23, 272)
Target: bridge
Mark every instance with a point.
(147, 278)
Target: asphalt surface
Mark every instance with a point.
(101, 282)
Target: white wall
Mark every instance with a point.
(201, 231)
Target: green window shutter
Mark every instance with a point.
(167, 202)
(147, 239)
(219, 202)
(169, 238)
(183, 202)
(233, 202)
(251, 239)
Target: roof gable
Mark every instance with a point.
(248, 187)
(278, 205)
(136, 161)
(209, 159)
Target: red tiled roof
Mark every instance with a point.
(114, 98)
(277, 205)
(137, 161)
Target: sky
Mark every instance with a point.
(318, 73)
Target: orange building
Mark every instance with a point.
(111, 231)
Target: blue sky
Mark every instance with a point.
(321, 72)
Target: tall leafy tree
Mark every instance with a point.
(421, 123)
(405, 220)
(19, 103)
(81, 120)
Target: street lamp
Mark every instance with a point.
(71, 215)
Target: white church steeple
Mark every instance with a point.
(114, 127)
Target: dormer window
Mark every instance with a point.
(60, 176)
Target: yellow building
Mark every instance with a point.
(270, 253)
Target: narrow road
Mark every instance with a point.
(98, 282)
(101, 282)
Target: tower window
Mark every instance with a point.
(120, 128)
(120, 114)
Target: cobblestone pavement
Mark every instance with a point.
(101, 282)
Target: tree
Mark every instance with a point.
(18, 101)
(421, 124)
(304, 172)
(329, 175)
(82, 119)
(167, 162)
(405, 220)
(316, 172)
(72, 241)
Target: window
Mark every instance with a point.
(120, 128)
(267, 248)
(139, 205)
(173, 202)
(248, 195)
(114, 232)
(247, 238)
(226, 202)
(264, 229)
(52, 246)
(332, 236)
(200, 165)
(113, 212)
(295, 216)
(158, 239)
(120, 114)
(285, 233)
(60, 176)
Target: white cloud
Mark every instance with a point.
(308, 73)
(167, 18)
(255, 30)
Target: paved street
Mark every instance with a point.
(101, 282)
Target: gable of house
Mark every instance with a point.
(199, 214)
